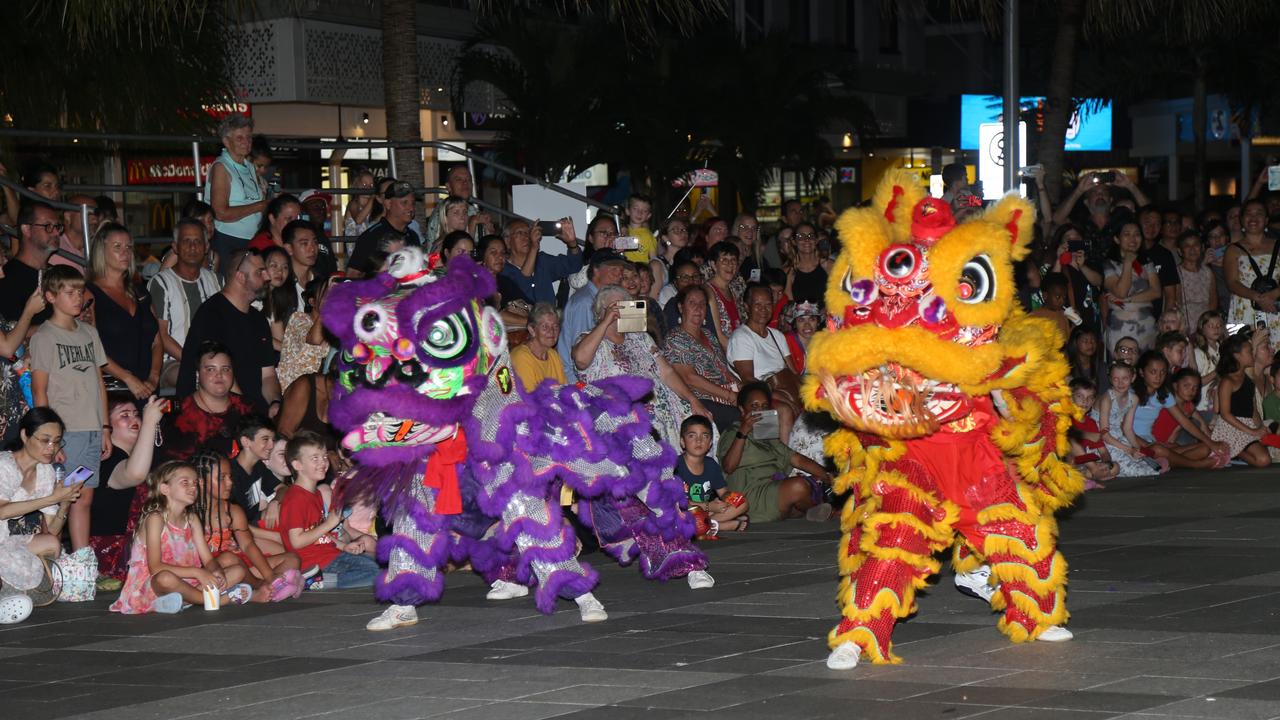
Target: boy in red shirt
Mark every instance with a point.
(306, 528)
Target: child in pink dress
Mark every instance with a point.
(170, 563)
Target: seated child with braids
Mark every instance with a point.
(227, 532)
(170, 565)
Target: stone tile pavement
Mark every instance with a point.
(1175, 593)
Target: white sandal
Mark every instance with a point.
(15, 609)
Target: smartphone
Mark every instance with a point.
(766, 427)
(754, 275)
(626, 242)
(549, 228)
(80, 474)
(1075, 246)
(1108, 176)
(1273, 177)
(633, 316)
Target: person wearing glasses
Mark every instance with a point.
(33, 511)
(40, 228)
(807, 278)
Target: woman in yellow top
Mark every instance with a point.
(537, 359)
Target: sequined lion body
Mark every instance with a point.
(953, 407)
(462, 461)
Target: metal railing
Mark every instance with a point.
(195, 141)
(84, 218)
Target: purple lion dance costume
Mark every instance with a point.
(463, 462)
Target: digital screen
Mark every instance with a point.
(1086, 131)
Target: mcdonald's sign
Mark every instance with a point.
(175, 170)
(161, 218)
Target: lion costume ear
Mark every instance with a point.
(896, 196)
(1018, 217)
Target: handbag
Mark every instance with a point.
(79, 572)
(1263, 283)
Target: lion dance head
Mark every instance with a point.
(923, 315)
(417, 346)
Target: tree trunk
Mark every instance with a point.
(1059, 102)
(1199, 117)
(400, 84)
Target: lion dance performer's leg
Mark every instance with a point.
(1019, 541)
(886, 555)
(415, 552)
(547, 549)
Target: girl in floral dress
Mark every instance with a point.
(170, 563)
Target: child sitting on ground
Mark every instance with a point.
(1169, 429)
(1113, 408)
(1173, 345)
(170, 563)
(306, 525)
(1155, 397)
(253, 483)
(1088, 452)
(273, 577)
(704, 480)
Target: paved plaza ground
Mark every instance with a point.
(1175, 595)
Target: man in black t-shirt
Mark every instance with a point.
(40, 227)
(1165, 260)
(388, 234)
(230, 319)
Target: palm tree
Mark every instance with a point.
(743, 109)
(402, 94)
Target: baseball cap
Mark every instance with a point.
(326, 198)
(396, 190)
(606, 256)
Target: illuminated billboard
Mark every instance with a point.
(1088, 130)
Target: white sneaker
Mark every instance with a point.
(590, 608)
(700, 580)
(1055, 633)
(15, 609)
(396, 616)
(976, 583)
(503, 590)
(844, 657)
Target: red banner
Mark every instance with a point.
(176, 170)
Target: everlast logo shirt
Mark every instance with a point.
(71, 358)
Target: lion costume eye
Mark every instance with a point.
(977, 282)
(900, 263)
(447, 338)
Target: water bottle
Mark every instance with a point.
(59, 474)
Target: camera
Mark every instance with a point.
(632, 316)
(549, 227)
(626, 242)
(1108, 176)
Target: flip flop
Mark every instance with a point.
(240, 594)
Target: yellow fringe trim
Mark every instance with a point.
(1017, 572)
(865, 639)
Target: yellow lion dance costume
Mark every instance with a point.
(954, 406)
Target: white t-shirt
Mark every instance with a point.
(765, 352)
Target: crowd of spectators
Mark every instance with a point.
(1169, 323)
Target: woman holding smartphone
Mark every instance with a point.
(33, 511)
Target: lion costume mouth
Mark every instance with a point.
(383, 431)
(893, 401)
